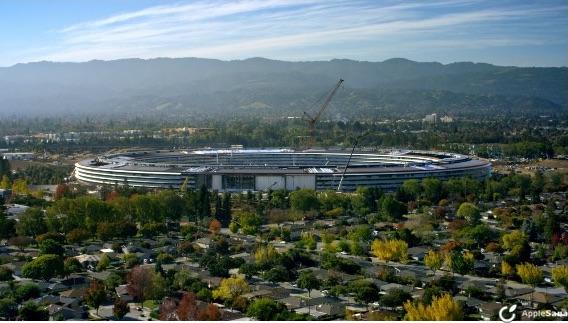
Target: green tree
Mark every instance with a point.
(31, 223)
(6, 274)
(103, 263)
(304, 200)
(395, 297)
(7, 226)
(249, 222)
(469, 212)
(27, 291)
(203, 206)
(308, 280)
(44, 267)
(72, 265)
(432, 188)
(392, 208)
(265, 309)
(52, 247)
(32, 311)
(8, 309)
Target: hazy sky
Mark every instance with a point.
(515, 32)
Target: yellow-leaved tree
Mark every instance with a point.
(390, 250)
(443, 308)
(265, 255)
(434, 260)
(560, 276)
(506, 269)
(231, 288)
(529, 273)
(20, 187)
(5, 182)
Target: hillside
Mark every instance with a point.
(192, 86)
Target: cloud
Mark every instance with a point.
(312, 28)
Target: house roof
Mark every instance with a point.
(540, 297)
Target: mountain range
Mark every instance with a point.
(174, 87)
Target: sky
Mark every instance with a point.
(503, 32)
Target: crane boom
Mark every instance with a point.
(312, 120)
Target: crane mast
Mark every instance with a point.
(313, 120)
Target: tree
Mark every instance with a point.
(432, 188)
(130, 260)
(277, 274)
(144, 283)
(434, 260)
(44, 267)
(187, 308)
(460, 262)
(390, 250)
(412, 188)
(61, 191)
(6, 274)
(203, 206)
(95, 294)
(172, 205)
(506, 269)
(20, 187)
(31, 223)
(26, 291)
(230, 288)
(265, 256)
(210, 313)
(225, 215)
(530, 274)
(265, 309)
(391, 208)
(120, 309)
(32, 311)
(77, 235)
(395, 297)
(560, 276)
(5, 182)
(52, 247)
(7, 226)
(20, 241)
(443, 308)
(103, 263)
(8, 309)
(215, 226)
(72, 265)
(469, 212)
(168, 310)
(249, 222)
(304, 200)
(308, 280)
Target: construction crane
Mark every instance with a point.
(312, 120)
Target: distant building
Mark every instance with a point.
(431, 118)
(18, 156)
(446, 119)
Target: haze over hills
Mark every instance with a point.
(167, 87)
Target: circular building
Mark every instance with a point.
(235, 170)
